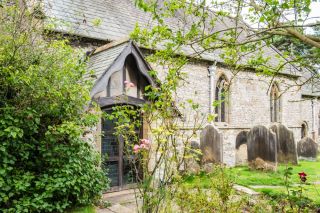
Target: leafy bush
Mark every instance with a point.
(218, 194)
(45, 164)
(218, 197)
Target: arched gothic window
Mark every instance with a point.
(275, 103)
(220, 98)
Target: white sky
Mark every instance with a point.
(315, 9)
(313, 16)
(315, 13)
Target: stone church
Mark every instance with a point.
(252, 100)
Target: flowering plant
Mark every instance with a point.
(295, 196)
(129, 84)
(144, 145)
(302, 176)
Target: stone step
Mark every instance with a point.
(121, 202)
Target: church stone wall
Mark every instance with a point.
(248, 103)
(195, 87)
(307, 115)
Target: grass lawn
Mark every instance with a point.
(246, 177)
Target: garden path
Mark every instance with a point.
(121, 202)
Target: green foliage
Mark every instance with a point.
(45, 164)
(239, 34)
(218, 197)
(86, 209)
(305, 55)
(283, 186)
(295, 197)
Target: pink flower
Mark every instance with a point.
(136, 148)
(143, 146)
(129, 84)
(146, 142)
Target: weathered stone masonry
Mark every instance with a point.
(248, 103)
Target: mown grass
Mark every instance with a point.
(247, 177)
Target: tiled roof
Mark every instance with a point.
(111, 58)
(311, 85)
(311, 90)
(102, 59)
(111, 20)
(117, 17)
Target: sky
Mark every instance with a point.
(313, 16)
(315, 9)
(315, 13)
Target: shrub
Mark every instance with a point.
(218, 197)
(45, 164)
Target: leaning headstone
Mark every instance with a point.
(211, 145)
(193, 161)
(286, 147)
(262, 148)
(241, 148)
(307, 148)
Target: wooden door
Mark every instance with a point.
(119, 166)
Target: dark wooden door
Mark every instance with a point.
(116, 159)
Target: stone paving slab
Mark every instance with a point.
(125, 196)
(246, 190)
(121, 202)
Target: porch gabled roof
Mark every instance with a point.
(111, 57)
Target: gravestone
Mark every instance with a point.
(307, 148)
(262, 148)
(211, 145)
(193, 162)
(241, 148)
(286, 147)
